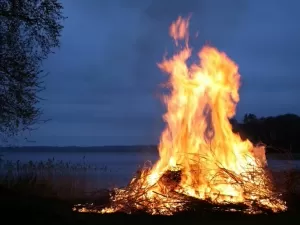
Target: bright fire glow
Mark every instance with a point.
(213, 163)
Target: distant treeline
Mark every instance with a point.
(278, 133)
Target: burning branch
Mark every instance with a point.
(202, 162)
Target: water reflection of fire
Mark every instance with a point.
(200, 156)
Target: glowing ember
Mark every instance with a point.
(200, 156)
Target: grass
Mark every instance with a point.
(32, 209)
(51, 178)
(45, 192)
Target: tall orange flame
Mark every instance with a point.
(215, 164)
(198, 138)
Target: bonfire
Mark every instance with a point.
(201, 160)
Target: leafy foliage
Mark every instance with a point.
(30, 29)
(279, 133)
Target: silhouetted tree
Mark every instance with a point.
(29, 30)
(248, 118)
(280, 132)
(234, 123)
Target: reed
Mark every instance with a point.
(50, 178)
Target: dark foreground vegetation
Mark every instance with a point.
(18, 207)
(34, 197)
(36, 208)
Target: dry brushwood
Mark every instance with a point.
(135, 197)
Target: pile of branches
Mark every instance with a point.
(137, 197)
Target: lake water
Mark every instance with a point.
(120, 166)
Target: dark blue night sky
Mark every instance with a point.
(103, 84)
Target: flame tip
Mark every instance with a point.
(200, 156)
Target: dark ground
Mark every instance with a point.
(26, 205)
(18, 208)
